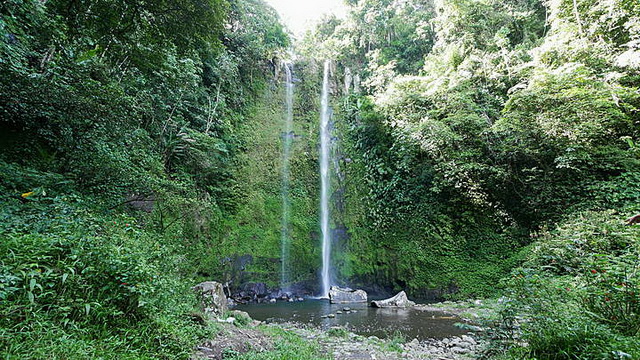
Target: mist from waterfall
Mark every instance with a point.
(325, 182)
(287, 140)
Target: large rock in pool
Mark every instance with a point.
(212, 298)
(400, 300)
(339, 295)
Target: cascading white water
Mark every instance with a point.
(287, 140)
(325, 152)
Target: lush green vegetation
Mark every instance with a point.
(491, 138)
(576, 297)
(108, 105)
(480, 142)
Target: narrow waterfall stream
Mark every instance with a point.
(287, 140)
(325, 182)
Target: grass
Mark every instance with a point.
(395, 341)
(338, 332)
(287, 346)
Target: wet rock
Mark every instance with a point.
(338, 312)
(346, 309)
(339, 295)
(331, 316)
(399, 300)
(255, 289)
(212, 299)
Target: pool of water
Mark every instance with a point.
(365, 321)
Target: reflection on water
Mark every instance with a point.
(365, 320)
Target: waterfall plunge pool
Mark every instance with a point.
(366, 321)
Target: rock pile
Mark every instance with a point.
(448, 348)
(260, 293)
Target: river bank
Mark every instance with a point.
(291, 340)
(271, 341)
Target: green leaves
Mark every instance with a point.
(577, 295)
(106, 101)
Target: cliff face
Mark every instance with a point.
(256, 227)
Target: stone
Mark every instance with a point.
(346, 309)
(338, 312)
(229, 320)
(399, 300)
(331, 316)
(339, 295)
(212, 298)
(469, 339)
(272, 300)
(255, 289)
(459, 350)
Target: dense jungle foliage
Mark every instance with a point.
(121, 125)
(483, 148)
(480, 138)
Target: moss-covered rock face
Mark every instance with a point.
(255, 227)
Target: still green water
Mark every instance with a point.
(365, 321)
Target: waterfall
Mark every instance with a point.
(287, 140)
(325, 150)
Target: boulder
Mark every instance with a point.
(339, 295)
(400, 300)
(212, 298)
(254, 290)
